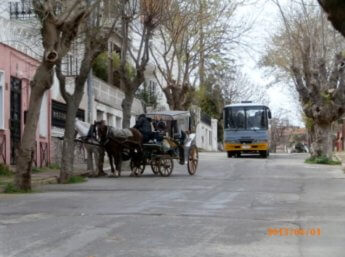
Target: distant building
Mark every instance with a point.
(291, 136)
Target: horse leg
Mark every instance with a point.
(135, 158)
(110, 156)
(119, 163)
(100, 161)
(116, 160)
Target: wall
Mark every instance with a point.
(16, 64)
(107, 102)
(206, 136)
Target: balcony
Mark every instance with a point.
(22, 10)
(113, 96)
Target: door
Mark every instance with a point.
(15, 118)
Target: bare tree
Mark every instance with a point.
(94, 40)
(278, 127)
(307, 49)
(237, 87)
(139, 19)
(60, 22)
(194, 32)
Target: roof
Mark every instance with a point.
(245, 105)
(172, 114)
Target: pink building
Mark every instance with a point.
(16, 71)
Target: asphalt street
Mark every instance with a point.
(232, 207)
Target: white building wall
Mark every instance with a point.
(108, 100)
(214, 135)
(206, 136)
(42, 123)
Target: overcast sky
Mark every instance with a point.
(282, 97)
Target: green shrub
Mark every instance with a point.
(10, 188)
(5, 170)
(76, 180)
(100, 67)
(37, 170)
(322, 160)
(54, 166)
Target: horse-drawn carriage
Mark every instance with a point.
(171, 141)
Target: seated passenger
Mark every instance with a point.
(143, 124)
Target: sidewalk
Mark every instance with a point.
(341, 157)
(50, 176)
(46, 176)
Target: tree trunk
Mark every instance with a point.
(42, 81)
(322, 144)
(26, 151)
(127, 108)
(273, 148)
(67, 159)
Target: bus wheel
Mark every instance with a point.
(264, 154)
(229, 154)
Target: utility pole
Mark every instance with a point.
(89, 84)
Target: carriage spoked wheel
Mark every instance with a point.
(137, 167)
(155, 163)
(166, 167)
(193, 159)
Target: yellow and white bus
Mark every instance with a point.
(246, 129)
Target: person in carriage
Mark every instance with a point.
(143, 124)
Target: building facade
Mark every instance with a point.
(16, 71)
(206, 130)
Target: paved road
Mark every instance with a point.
(225, 210)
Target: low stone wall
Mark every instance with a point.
(56, 152)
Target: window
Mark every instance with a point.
(247, 118)
(99, 115)
(110, 119)
(256, 119)
(2, 92)
(118, 122)
(235, 118)
(59, 114)
(70, 63)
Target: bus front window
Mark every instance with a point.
(235, 119)
(256, 119)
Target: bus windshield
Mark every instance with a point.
(246, 118)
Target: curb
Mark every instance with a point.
(342, 160)
(44, 181)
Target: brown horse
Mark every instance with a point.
(128, 141)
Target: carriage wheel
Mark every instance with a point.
(166, 167)
(155, 163)
(193, 159)
(137, 168)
